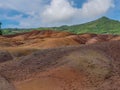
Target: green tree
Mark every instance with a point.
(0, 29)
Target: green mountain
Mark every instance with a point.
(102, 25)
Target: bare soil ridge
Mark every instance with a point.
(51, 39)
(85, 67)
(54, 60)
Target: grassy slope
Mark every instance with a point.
(103, 25)
(100, 26)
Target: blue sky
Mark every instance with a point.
(44, 13)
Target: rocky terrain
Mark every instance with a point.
(51, 39)
(52, 60)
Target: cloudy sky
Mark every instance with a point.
(42, 13)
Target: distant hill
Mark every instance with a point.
(99, 26)
(102, 25)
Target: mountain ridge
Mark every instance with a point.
(103, 25)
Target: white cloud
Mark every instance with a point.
(62, 10)
(94, 8)
(25, 6)
(57, 12)
(32, 8)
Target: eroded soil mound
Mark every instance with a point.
(33, 61)
(5, 56)
(51, 39)
(85, 67)
(5, 85)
